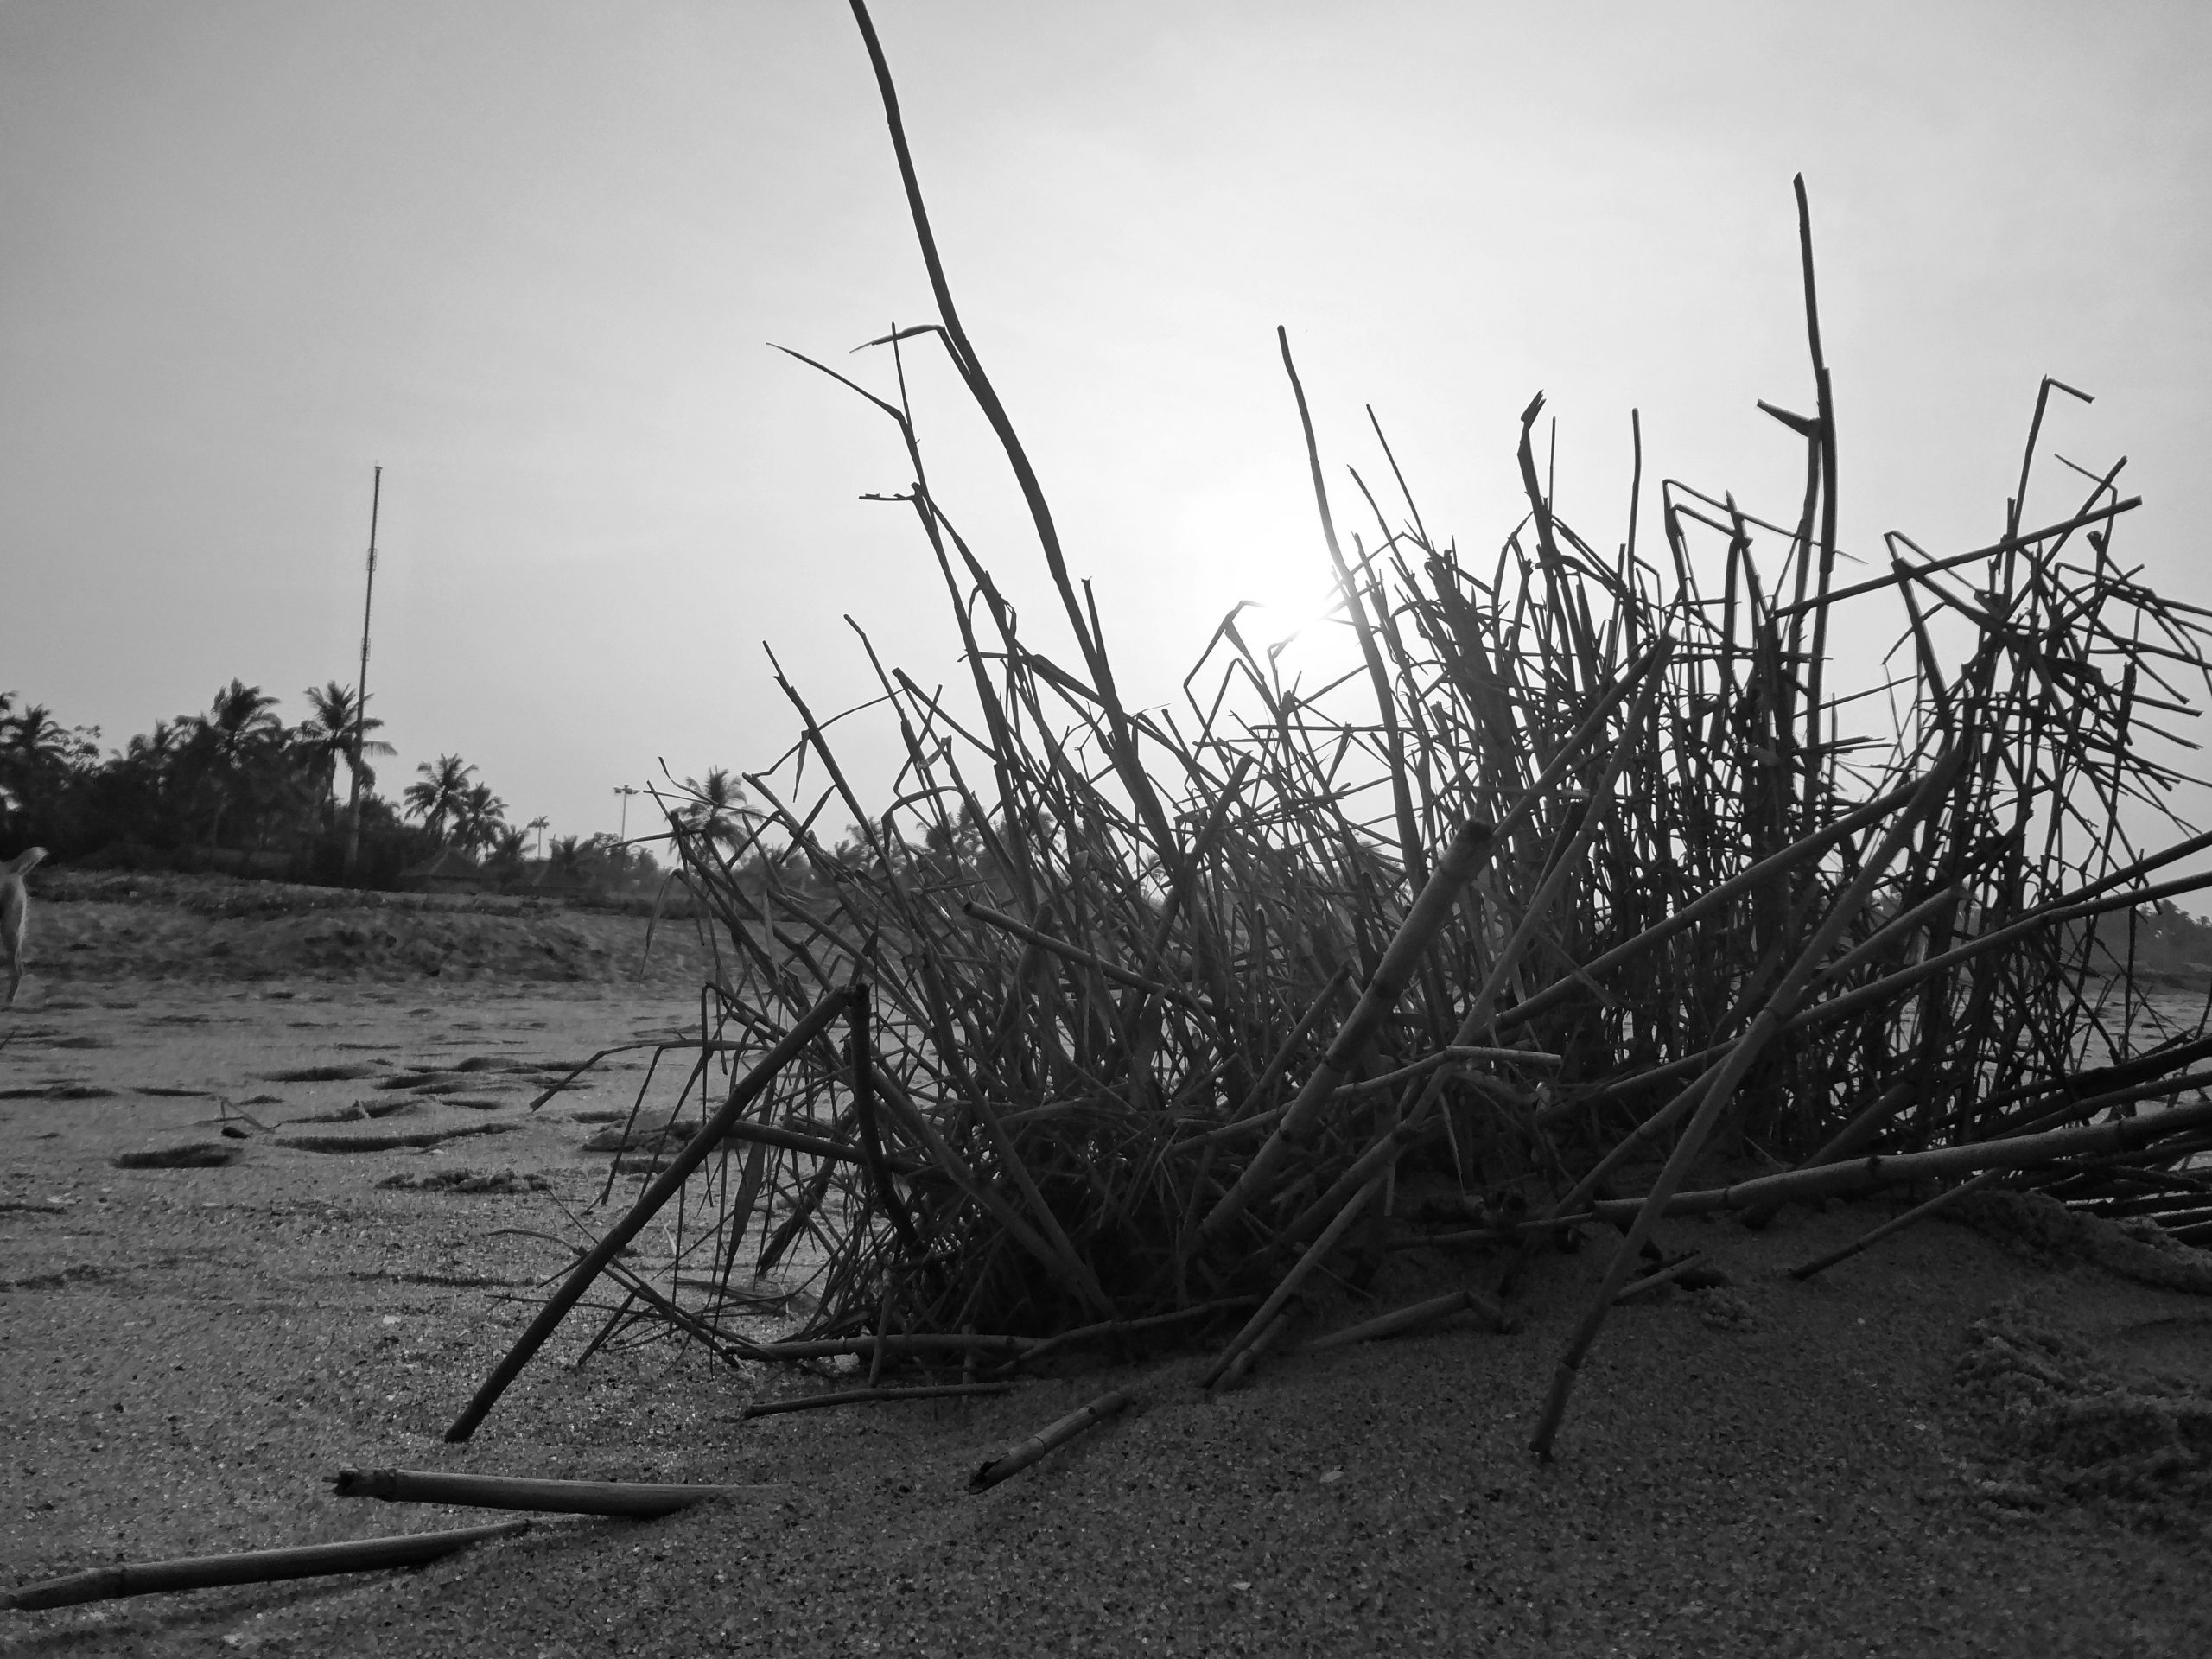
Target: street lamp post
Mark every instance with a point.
(623, 836)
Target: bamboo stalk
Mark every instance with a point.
(872, 1397)
(1942, 1200)
(641, 1500)
(1288, 1285)
(1422, 922)
(1015, 1459)
(255, 1567)
(1414, 1316)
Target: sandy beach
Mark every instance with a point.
(1961, 1442)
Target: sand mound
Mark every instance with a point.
(2043, 1226)
(2059, 1420)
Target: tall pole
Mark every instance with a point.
(361, 692)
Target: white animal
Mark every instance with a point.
(14, 908)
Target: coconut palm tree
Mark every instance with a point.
(228, 750)
(718, 807)
(480, 818)
(337, 731)
(540, 825)
(442, 794)
(36, 753)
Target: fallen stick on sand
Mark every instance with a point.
(867, 1396)
(643, 1500)
(420, 1138)
(990, 1472)
(1805, 1270)
(254, 1566)
(1864, 1174)
(1665, 1275)
(1414, 1316)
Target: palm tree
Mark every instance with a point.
(229, 744)
(443, 792)
(36, 741)
(337, 731)
(718, 805)
(480, 818)
(540, 824)
(36, 753)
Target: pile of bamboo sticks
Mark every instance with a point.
(1583, 874)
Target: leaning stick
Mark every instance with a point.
(1805, 1270)
(1864, 1174)
(1013, 1462)
(1416, 1315)
(1665, 1275)
(254, 1566)
(641, 1500)
(1261, 1323)
(1469, 848)
(1780, 1006)
(869, 1397)
(696, 1151)
(1249, 1355)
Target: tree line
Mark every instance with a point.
(239, 789)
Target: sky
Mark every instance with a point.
(530, 258)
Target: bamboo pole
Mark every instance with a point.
(255, 1567)
(1414, 1316)
(1015, 1459)
(872, 1397)
(1942, 1200)
(639, 1500)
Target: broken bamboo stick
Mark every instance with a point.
(1805, 1270)
(1414, 1316)
(1013, 1461)
(254, 1566)
(641, 1500)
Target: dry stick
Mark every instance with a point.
(1423, 922)
(1842, 1180)
(1805, 1270)
(1886, 989)
(1013, 1461)
(1704, 904)
(1385, 1152)
(1123, 753)
(1413, 1317)
(1849, 1140)
(641, 1500)
(1130, 1328)
(1076, 953)
(1732, 1072)
(915, 1342)
(867, 1396)
(1665, 1275)
(1242, 1119)
(254, 1566)
(1429, 912)
(1409, 841)
(862, 1053)
(1450, 1057)
(1248, 1356)
(1315, 1254)
(1952, 561)
(695, 1153)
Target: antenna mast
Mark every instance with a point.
(361, 692)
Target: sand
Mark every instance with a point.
(1962, 1442)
